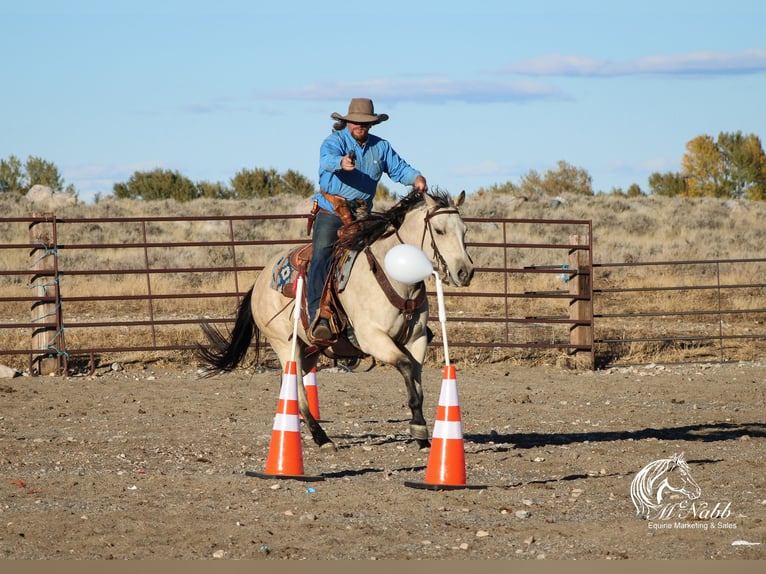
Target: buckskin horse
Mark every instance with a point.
(376, 316)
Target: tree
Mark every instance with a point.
(703, 167)
(18, 178)
(12, 176)
(157, 184)
(744, 165)
(297, 184)
(215, 190)
(733, 166)
(635, 190)
(257, 182)
(42, 172)
(566, 179)
(531, 183)
(667, 184)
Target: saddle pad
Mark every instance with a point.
(285, 270)
(344, 264)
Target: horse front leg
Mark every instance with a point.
(411, 370)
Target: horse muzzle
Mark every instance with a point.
(462, 278)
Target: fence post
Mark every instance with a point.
(44, 285)
(580, 308)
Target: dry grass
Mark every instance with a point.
(625, 230)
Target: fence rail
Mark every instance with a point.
(86, 290)
(713, 319)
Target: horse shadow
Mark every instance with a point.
(496, 442)
(708, 432)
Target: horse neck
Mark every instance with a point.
(412, 231)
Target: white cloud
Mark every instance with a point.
(702, 63)
(433, 90)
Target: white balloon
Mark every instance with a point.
(407, 263)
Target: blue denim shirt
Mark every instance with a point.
(373, 159)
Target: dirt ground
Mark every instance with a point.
(151, 463)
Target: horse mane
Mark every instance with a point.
(364, 232)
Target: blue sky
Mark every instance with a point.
(478, 93)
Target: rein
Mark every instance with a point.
(408, 306)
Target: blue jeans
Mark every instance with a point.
(324, 236)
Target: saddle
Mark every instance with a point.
(295, 262)
(285, 274)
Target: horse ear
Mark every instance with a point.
(460, 199)
(430, 201)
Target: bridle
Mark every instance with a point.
(442, 264)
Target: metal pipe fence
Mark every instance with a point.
(691, 311)
(79, 293)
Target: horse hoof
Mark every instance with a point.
(424, 445)
(419, 432)
(328, 447)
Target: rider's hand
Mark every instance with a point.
(420, 184)
(347, 163)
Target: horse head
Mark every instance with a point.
(442, 237)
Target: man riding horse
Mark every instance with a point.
(351, 163)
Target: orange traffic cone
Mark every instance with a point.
(446, 460)
(312, 393)
(285, 458)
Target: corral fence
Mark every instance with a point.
(79, 293)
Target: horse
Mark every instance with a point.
(659, 478)
(384, 318)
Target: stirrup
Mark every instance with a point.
(321, 330)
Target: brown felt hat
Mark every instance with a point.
(361, 110)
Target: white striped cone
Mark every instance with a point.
(312, 392)
(446, 460)
(285, 451)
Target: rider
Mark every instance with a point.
(351, 163)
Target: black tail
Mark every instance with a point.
(224, 354)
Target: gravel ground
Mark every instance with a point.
(151, 463)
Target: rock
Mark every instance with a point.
(8, 373)
(44, 195)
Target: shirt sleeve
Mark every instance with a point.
(331, 154)
(398, 169)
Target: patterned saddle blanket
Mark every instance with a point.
(285, 272)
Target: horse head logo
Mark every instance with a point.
(660, 479)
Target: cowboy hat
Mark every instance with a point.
(361, 110)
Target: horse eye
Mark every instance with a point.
(439, 231)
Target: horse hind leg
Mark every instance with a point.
(317, 432)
